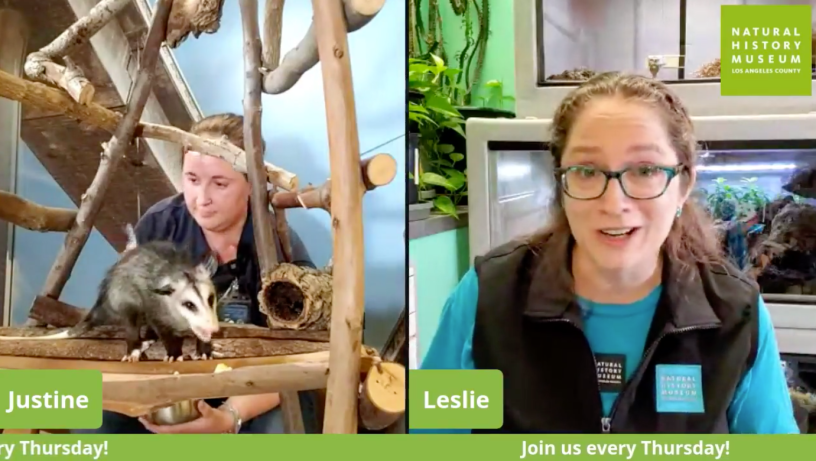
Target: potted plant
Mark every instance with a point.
(442, 179)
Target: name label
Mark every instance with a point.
(465, 400)
(59, 399)
(455, 399)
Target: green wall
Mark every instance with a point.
(499, 58)
(440, 261)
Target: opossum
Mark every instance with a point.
(158, 286)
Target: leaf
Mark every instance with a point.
(444, 148)
(438, 61)
(456, 157)
(455, 177)
(444, 204)
(441, 105)
(436, 180)
(420, 118)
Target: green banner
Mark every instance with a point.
(765, 50)
(411, 447)
(53, 399)
(455, 399)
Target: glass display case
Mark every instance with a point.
(673, 40)
(762, 196)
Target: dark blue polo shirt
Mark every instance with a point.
(170, 220)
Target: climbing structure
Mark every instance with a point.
(319, 346)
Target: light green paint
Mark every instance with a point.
(440, 261)
(500, 57)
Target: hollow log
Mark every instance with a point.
(40, 64)
(192, 17)
(34, 217)
(347, 220)
(382, 397)
(296, 298)
(113, 154)
(304, 56)
(52, 100)
(376, 171)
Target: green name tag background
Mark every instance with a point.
(39, 382)
(455, 382)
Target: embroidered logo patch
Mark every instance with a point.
(679, 389)
(611, 369)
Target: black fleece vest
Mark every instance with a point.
(528, 325)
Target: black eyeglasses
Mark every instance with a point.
(641, 182)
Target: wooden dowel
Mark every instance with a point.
(347, 190)
(114, 153)
(34, 217)
(376, 171)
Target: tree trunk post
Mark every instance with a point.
(347, 190)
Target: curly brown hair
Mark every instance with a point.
(692, 239)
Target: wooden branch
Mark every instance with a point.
(347, 220)
(31, 216)
(40, 66)
(259, 202)
(273, 29)
(397, 343)
(193, 16)
(61, 315)
(304, 56)
(135, 395)
(376, 171)
(253, 142)
(114, 153)
(49, 99)
(282, 228)
(221, 148)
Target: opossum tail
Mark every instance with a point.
(91, 320)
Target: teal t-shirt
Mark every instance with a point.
(761, 403)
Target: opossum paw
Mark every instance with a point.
(133, 357)
(146, 345)
(171, 359)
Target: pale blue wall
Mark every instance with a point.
(294, 126)
(34, 252)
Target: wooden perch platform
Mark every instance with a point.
(31, 216)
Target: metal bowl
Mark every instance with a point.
(177, 413)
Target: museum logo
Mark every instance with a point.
(766, 50)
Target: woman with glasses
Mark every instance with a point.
(621, 315)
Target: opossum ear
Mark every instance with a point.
(164, 288)
(208, 266)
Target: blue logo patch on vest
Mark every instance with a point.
(679, 389)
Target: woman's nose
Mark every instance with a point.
(614, 200)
